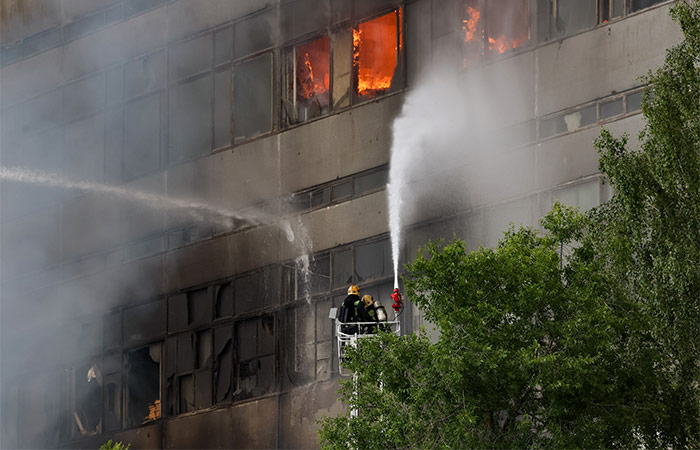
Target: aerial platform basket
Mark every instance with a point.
(345, 338)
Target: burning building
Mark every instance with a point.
(188, 186)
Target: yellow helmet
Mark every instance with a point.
(367, 299)
(353, 289)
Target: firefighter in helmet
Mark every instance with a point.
(371, 313)
(350, 310)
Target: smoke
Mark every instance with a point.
(94, 207)
(451, 145)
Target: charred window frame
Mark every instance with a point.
(255, 354)
(307, 80)
(86, 408)
(377, 55)
(142, 369)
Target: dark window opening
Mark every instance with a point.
(223, 364)
(308, 81)
(255, 340)
(224, 300)
(87, 412)
(199, 307)
(143, 384)
(377, 44)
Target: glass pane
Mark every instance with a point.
(144, 321)
(507, 24)
(224, 300)
(223, 98)
(145, 74)
(610, 109)
(371, 181)
(375, 54)
(190, 120)
(342, 269)
(186, 390)
(641, 4)
(189, 58)
(573, 16)
(341, 191)
(634, 102)
(373, 260)
(223, 46)
(551, 126)
(342, 68)
(142, 137)
(252, 99)
(252, 35)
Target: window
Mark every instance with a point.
(87, 403)
(190, 120)
(636, 5)
(143, 384)
(255, 347)
(609, 9)
(494, 26)
(252, 97)
(611, 108)
(308, 81)
(377, 45)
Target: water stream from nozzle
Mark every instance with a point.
(200, 212)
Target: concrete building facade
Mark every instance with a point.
(234, 157)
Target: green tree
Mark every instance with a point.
(109, 445)
(648, 236)
(527, 354)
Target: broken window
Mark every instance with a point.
(252, 97)
(255, 344)
(87, 403)
(224, 300)
(188, 372)
(223, 364)
(111, 381)
(143, 384)
(377, 44)
(308, 81)
(494, 26)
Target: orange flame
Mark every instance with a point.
(153, 411)
(313, 68)
(513, 34)
(376, 44)
(469, 25)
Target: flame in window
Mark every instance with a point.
(313, 68)
(470, 23)
(153, 411)
(376, 45)
(506, 24)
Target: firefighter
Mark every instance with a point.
(370, 313)
(350, 310)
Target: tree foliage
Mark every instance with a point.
(525, 355)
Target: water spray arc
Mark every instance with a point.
(200, 212)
